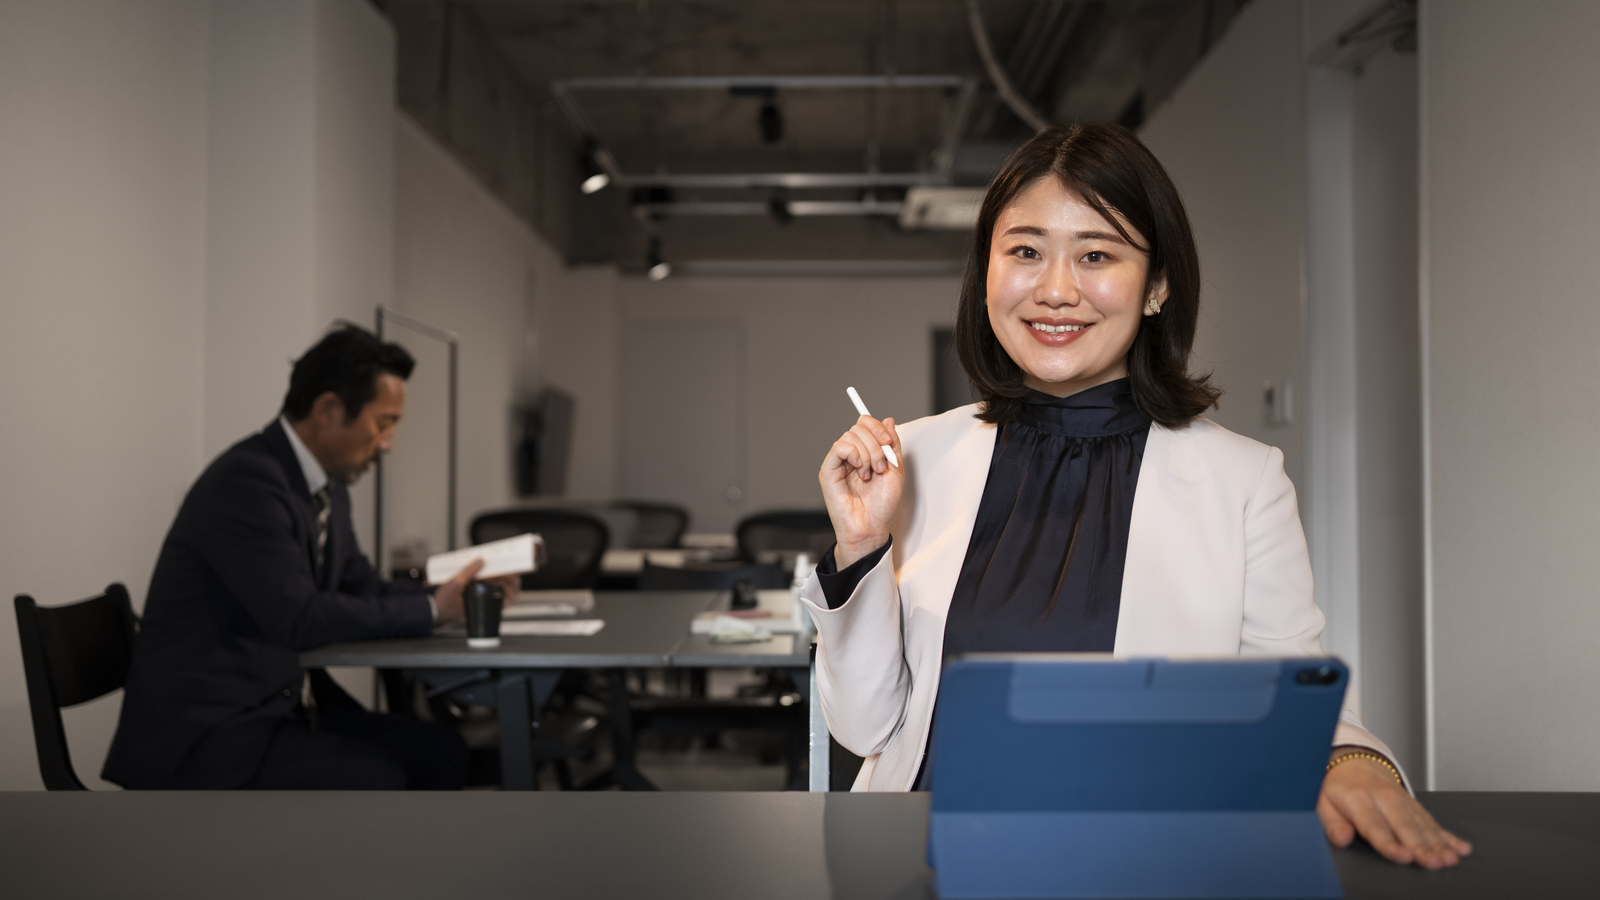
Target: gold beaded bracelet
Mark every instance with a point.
(1372, 756)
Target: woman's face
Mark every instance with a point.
(1065, 290)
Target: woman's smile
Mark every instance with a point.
(1057, 334)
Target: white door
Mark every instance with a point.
(682, 423)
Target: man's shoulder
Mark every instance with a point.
(250, 462)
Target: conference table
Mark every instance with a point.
(643, 630)
(776, 846)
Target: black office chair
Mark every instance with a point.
(778, 537)
(659, 526)
(574, 543)
(71, 655)
(710, 577)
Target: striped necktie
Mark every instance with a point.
(324, 505)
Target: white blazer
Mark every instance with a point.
(1216, 566)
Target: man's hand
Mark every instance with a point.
(447, 597)
(1361, 796)
(511, 584)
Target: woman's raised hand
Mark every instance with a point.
(860, 487)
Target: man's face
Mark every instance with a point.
(347, 448)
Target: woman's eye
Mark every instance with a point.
(1026, 252)
(1095, 256)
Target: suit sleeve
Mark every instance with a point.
(862, 675)
(1281, 617)
(251, 543)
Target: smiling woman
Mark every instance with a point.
(1084, 505)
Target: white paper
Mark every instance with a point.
(552, 628)
(512, 556)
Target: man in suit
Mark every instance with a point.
(262, 563)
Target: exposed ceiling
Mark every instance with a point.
(502, 84)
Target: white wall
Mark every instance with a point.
(806, 340)
(1511, 186)
(102, 299)
(1300, 182)
(1230, 137)
(189, 192)
(463, 264)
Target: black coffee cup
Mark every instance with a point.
(744, 594)
(483, 602)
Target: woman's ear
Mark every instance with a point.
(1156, 297)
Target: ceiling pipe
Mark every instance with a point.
(1002, 83)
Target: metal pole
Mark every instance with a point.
(455, 347)
(377, 486)
(453, 341)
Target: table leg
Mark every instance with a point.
(515, 704)
(624, 771)
(819, 725)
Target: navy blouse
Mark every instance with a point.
(1043, 570)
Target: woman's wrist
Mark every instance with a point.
(1351, 752)
(847, 552)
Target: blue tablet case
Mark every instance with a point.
(1057, 776)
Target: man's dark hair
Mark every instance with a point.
(347, 361)
(1114, 173)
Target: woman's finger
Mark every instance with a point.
(868, 436)
(1416, 828)
(1339, 830)
(879, 430)
(1373, 827)
(844, 454)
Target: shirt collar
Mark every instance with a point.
(316, 478)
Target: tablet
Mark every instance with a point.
(1064, 775)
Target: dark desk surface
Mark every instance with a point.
(485, 846)
(643, 630)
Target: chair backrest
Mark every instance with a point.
(659, 526)
(711, 578)
(777, 537)
(574, 542)
(71, 655)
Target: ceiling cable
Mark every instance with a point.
(997, 74)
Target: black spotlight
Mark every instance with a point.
(771, 121)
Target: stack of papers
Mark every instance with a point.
(549, 604)
(774, 613)
(552, 628)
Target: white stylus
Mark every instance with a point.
(862, 409)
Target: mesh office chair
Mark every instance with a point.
(574, 543)
(778, 537)
(71, 655)
(659, 526)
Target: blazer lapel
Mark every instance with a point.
(945, 482)
(299, 491)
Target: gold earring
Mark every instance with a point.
(1151, 305)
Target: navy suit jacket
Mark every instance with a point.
(233, 601)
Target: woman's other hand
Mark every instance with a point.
(1360, 796)
(860, 488)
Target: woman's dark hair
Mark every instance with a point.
(1115, 174)
(347, 361)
